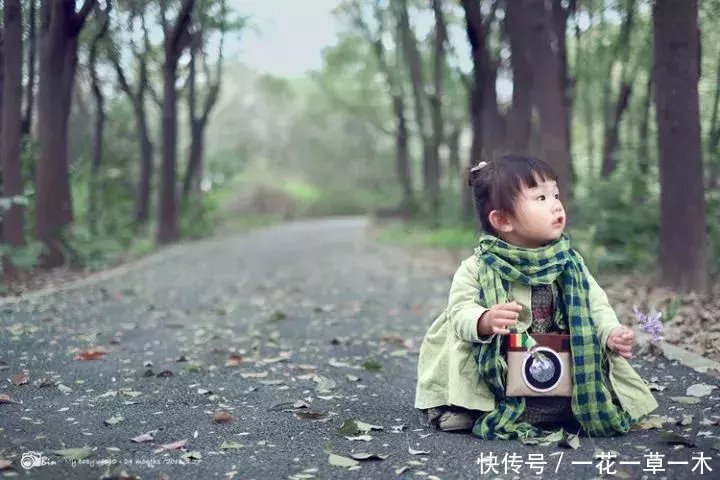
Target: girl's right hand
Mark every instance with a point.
(498, 318)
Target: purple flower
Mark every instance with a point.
(650, 323)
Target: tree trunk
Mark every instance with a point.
(714, 137)
(612, 121)
(640, 182)
(397, 94)
(438, 127)
(559, 43)
(476, 37)
(60, 28)
(414, 63)
(30, 85)
(520, 115)
(493, 122)
(13, 225)
(548, 94)
(612, 140)
(454, 160)
(175, 41)
(683, 235)
(97, 145)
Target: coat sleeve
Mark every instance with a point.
(464, 307)
(602, 313)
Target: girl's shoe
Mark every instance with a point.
(451, 421)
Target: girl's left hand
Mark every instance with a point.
(621, 340)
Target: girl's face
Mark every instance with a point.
(539, 216)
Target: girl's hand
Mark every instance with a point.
(621, 340)
(498, 318)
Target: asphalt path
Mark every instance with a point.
(250, 352)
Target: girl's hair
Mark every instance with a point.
(497, 185)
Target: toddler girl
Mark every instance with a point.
(525, 277)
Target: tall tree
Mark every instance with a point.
(548, 92)
(103, 19)
(431, 164)
(394, 87)
(612, 122)
(137, 94)
(31, 53)
(520, 115)
(436, 96)
(12, 222)
(683, 229)
(198, 123)
(176, 39)
(60, 26)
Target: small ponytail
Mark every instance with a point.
(474, 172)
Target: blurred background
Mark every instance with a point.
(129, 124)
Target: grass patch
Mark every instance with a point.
(448, 237)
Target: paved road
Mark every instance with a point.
(304, 305)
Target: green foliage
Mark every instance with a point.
(626, 229)
(198, 218)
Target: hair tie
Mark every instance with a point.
(478, 167)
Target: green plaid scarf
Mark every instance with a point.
(501, 263)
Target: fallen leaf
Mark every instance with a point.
(352, 378)
(349, 428)
(412, 451)
(113, 420)
(233, 360)
(95, 353)
(363, 456)
(571, 441)
(145, 437)
(171, 446)
(397, 428)
(309, 415)
(401, 470)
(165, 374)
(4, 365)
(372, 366)
(73, 453)
(686, 420)
(5, 463)
(700, 390)
(222, 416)
(340, 461)
(231, 445)
(5, 399)
(674, 439)
(366, 427)
(254, 374)
(363, 438)
(324, 384)
(687, 400)
(191, 456)
(21, 379)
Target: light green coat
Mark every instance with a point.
(449, 375)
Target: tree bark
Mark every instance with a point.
(430, 162)
(548, 94)
(176, 39)
(476, 37)
(198, 124)
(714, 137)
(30, 85)
(520, 115)
(436, 106)
(612, 121)
(683, 234)
(60, 28)
(396, 91)
(643, 136)
(98, 129)
(12, 185)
